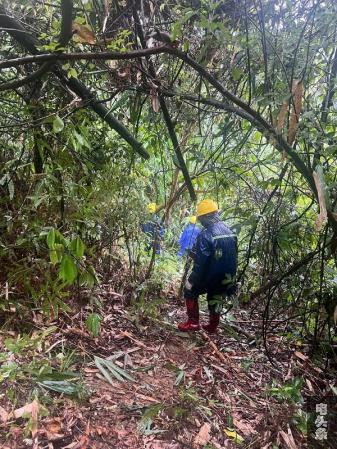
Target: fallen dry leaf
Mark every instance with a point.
(139, 343)
(35, 411)
(301, 356)
(53, 425)
(83, 34)
(146, 398)
(203, 436)
(28, 408)
(280, 119)
(309, 384)
(3, 415)
(155, 101)
(288, 439)
(243, 426)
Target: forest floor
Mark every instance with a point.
(188, 390)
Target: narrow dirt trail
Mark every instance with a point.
(189, 391)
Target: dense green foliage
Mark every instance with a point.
(74, 192)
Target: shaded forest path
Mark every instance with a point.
(189, 391)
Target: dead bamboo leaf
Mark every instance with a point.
(243, 426)
(19, 412)
(35, 411)
(3, 415)
(203, 436)
(280, 119)
(301, 356)
(323, 215)
(146, 398)
(309, 384)
(138, 342)
(288, 439)
(84, 35)
(154, 100)
(297, 95)
(53, 425)
(335, 316)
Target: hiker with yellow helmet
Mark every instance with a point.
(214, 268)
(153, 229)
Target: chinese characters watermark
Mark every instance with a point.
(321, 422)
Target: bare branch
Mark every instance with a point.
(90, 56)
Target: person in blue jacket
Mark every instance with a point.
(214, 268)
(153, 229)
(188, 237)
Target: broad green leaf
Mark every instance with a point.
(72, 73)
(57, 376)
(176, 31)
(68, 270)
(93, 323)
(51, 238)
(53, 255)
(61, 386)
(77, 247)
(58, 124)
(236, 73)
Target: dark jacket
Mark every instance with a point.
(215, 258)
(155, 233)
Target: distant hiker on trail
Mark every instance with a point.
(214, 268)
(188, 236)
(153, 229)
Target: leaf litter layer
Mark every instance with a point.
(142, 384)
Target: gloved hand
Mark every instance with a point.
(188, 285)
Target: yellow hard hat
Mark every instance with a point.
(152, 207)
(206, 207)
(193, 219)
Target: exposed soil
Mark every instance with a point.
(190, 390)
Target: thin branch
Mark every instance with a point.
(90, 56)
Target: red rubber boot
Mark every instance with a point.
(214, 320)
(192, 323)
